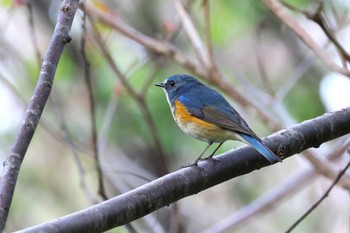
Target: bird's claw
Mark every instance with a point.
(195, 164)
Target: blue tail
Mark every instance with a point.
(257, 144)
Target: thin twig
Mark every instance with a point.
(140, 100)
(321, 20)
(101, 188)
(192, 33)
(81, 171)
(169, 50)
(314, 206)
(13, 88)
(108, 118)
(260, 59)
(326, 169)
(56, 134)
(298, 73)
(265, 203)
(149, 81)
(176, 26)
(32, 32)
(218, 79)
(283, 13)
(209, 43)
(318, 16)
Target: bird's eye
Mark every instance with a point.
(172, 83)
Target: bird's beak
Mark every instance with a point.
(159, 85)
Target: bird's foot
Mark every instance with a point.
(211, 158)
(195, 164)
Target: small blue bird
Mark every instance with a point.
(205, 114)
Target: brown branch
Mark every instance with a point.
(192, 33)
(260, 58)
(218, 79)
(140, 100)
(81, 171)
(319, 17)
(158, 46)
(35, 108)
(101, 188)
(167, 49)
(285, 16)
(314, 206)
(268, 201)
(209, 43)
(322, 166)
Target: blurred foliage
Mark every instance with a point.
(49, 185)
(304, 101)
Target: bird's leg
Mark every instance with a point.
(206, 148)
(212, 154)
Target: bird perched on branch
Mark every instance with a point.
(205, 114)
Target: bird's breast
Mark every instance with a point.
(199, 128)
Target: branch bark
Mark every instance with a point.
(191, 180)
(35, 108)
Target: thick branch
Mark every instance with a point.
(35, 108)
(191, 180)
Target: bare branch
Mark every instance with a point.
(159, 46)
(260, 58)
(265, 203)
(314, 206)
(273, 198)
(168, 49)
(209, 43)
(139, 98)
(217, 78)
(35, 108)
(191, 180)
(192, 33)
(319, 17)
(32, 32)
(283, 13)
(101, 188)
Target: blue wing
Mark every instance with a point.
(210, 106)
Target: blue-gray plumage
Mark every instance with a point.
(205, 114)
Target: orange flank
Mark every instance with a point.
(184, 117)
(199, 128)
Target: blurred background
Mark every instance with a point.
(137, 138)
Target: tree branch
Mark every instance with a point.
(192, 33)
(35, 108)
(314, 206)
(191, 180)
(167, 49)
(89, 87)
(282, 12)
(273, 198)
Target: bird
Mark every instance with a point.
(203, 113)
